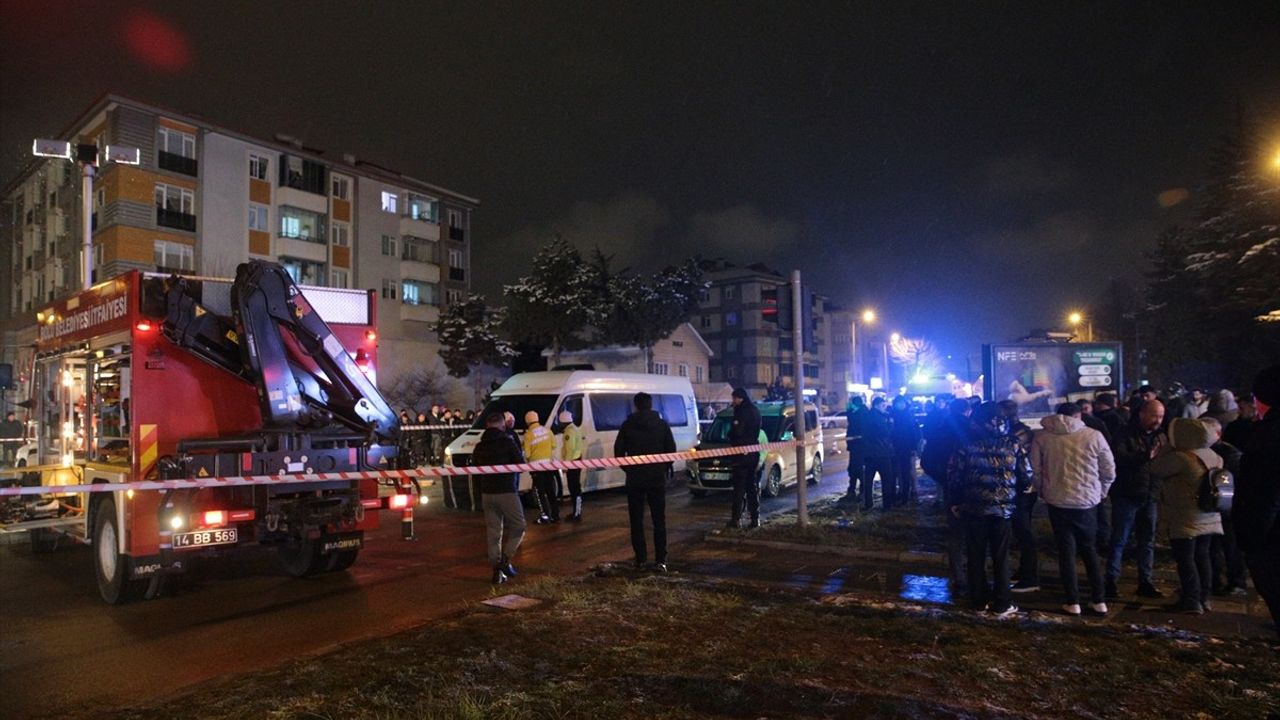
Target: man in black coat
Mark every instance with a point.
(644, 432)
(746, 481)
(1256, 507)
(853, 441)
(877, 441)
(503, 514)
(1104, 408)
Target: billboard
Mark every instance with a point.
(1038, 376)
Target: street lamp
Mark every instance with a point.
(88, 157)
(1075, 319)
(868, 316)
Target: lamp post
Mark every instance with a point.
(1076, 318)
(88, 158)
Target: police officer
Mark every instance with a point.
(540, 444)
(745, 431)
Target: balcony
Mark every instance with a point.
(457, 233)
(175, 219)
(415, 227)
(178, 163)
(457, 274)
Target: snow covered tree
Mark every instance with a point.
(642, 311)
(553, 305)
(468, 333)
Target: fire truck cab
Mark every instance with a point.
(153, 377)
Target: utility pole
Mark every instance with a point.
(797, 343)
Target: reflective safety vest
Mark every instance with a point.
(572, 448)
(539, 444)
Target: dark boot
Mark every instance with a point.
(499, 577)
(755, 522)
(577, 509)
(507, 568)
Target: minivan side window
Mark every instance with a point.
(609, 410)
(573, 404)
(671, 408)
(810, 420)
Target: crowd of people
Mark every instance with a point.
(1107, 472)
(429, 433)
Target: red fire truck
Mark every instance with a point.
(149, 376)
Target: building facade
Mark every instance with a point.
(683, 353)
(740, 316)
(205, 198)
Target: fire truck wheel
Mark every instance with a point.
(300, 557)
(111, 567)
(340, 560)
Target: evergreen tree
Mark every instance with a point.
(468, 333)
(642, 312)
(554, 304)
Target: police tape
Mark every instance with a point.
(422, 473)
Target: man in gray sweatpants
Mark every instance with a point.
(500, 498)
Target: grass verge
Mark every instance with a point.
(664, 647)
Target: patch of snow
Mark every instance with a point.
(1259, 249)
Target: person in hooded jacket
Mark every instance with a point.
(540, 444)
(745, 430)
(988, 473)
(1222, 407)
(1225, 556)
(1073, 469)
(1179, 474)
(906, 439)
(503, 514)
(644, 432)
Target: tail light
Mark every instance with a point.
(143, 326)
(398, 502)
(214, 518)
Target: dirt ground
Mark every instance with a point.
(630, 645)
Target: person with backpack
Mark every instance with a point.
(1180, 475)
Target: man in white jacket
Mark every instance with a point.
(1072, 469)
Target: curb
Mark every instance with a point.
(905, 556)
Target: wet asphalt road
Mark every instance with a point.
(62, 648)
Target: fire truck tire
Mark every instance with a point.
(300, 557)
(340, 560)
(110, 566)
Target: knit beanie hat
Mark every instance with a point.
(531, 417)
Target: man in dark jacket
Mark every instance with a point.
(503, 514)
(1104, 408)
(906, 438)
(853, 441)
(877, 440)
(989, 471)
(940, 445)
(644, 432)
(1133, 496)
(745, 430)
(1256, 507)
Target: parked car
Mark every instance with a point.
(777, 468)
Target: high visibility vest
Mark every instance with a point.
(538, 443)
(572, 448)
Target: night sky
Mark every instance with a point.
(970, 170)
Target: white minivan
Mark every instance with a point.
(599, 401)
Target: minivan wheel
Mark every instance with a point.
(772, 483)
(815, 472)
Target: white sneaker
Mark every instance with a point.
(1100, 608)
(1006, 612)
(1072, 609)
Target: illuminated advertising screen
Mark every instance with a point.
(1039, 376)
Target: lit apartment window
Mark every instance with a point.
(175, 199)
(388, 246)
(304, 272)
(416, 292)
(259, 166)
(660, 369)
(301, 224)
(341, 234)
(684, 370)
(258, 218)
(338, 278)
(424, 209)
(173, 256)
(388, 289)
(731, 318)
(341, 188)
(390, 201)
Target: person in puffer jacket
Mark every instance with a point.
(987, 473)
(1180, 473)
(1073, 469)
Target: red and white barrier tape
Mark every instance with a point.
(418, 473)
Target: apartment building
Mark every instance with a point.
(206, 198)
(740, 318)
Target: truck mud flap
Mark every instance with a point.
(153, 565)
(341, 541)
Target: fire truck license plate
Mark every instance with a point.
(205, 538)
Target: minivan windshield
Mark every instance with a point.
(517, 405)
